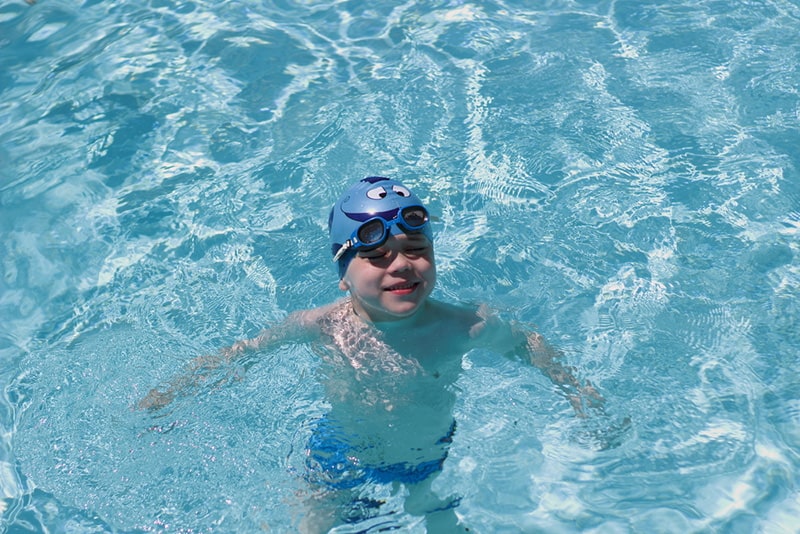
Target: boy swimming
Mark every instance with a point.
(391, 355)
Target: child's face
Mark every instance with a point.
(392, 281)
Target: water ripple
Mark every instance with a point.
(622, 175)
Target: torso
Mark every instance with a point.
(402, 399)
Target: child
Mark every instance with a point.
(391, 354)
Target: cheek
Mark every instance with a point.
(359, 277)
(429, 265)
(432, 274)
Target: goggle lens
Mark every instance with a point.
(414, 216)
(372, 232)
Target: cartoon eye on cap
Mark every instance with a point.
(376, 193)
(402, 191)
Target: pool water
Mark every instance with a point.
(623, 176)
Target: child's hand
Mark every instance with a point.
(592, 396)
(155, 400)
(587, 396)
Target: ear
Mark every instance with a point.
(343, 285)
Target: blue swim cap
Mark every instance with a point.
(370, 198)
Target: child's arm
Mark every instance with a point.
(297, 326)
(531, 347)
(546, 358)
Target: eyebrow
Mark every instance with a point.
(417, 240)
(412, 240)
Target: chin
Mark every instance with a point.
(403, 312)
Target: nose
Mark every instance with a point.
(400, 263)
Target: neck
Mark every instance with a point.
(392, 325)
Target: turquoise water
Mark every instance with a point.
(623, 175)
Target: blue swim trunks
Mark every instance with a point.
(333, 461)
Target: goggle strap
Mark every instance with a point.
(344, 248)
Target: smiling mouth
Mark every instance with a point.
(407, 287)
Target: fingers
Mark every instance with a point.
(155, 400)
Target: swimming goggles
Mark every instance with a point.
(374, 232)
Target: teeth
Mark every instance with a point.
(401, 286)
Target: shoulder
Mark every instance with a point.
(466, 317)
(480, 325)
(494, 331)
(313, 319)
